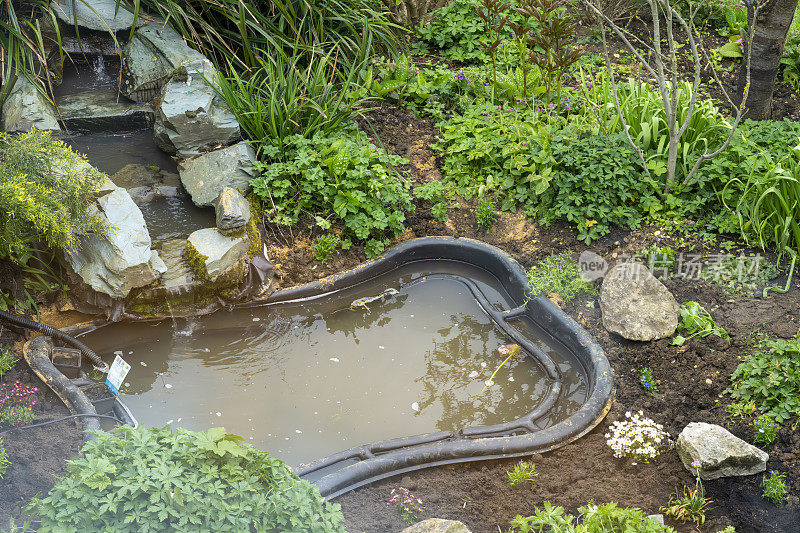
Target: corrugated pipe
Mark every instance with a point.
(56, 334)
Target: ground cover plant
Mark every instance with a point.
(592, 517)
(523, 472)
(770, 379)
(164, 480)
(558, 274)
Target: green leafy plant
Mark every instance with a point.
(407, 503)
(341, 178)
(457, 31)
(439, 195)
(523, 472)
(559, 274)
(647, 381)
(485, 214)
(4, 462)
(326, 245)
(765, 430)
(770, 379)
(150, 479)
(691, 505)
(592, 518)
(697, 322)
(773, 487)
(600, 185)
(7, 361)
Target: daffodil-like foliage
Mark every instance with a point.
(45, 191)
(150, 479)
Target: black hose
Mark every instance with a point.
(58, 334)
(48, 422)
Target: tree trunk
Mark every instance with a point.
(774, 19)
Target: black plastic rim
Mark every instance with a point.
(368, 463)
(347, 470)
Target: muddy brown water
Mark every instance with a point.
(306, 379)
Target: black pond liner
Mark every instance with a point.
(347, 470)
(344, 471)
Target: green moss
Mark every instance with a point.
(197, 261)
(256, 212)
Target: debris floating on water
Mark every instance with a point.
(415, 406)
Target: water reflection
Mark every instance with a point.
(306, 380)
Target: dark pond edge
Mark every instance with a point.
(380, 460)
(344, 471)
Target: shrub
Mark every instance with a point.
(559, 274)
(606, 518)
(457, 30)
(149, 479)
(45, 191)
(597, 184)
(770, 378)
(341, 178)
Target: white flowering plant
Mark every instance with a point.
(638, 438)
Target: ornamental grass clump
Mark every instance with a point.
(16, 403)
(407, 503)
(638, 438)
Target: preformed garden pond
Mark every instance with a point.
(407, 353)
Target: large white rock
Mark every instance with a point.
(102, 15)
(150, 58)
(192, 119)
(222, 254)
(437, 525)
(25, 109)
(635, 305)
(121, 259)
(719, 452)
(205, 176)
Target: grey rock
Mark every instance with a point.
(222, 253)
(120, 259)
(26, 109)
(102, 111)
(103, 15)
(437, 525)
(232, 209)
(204, 176)
(135, 175)
(720, 453)
(192, 119)
(150, 58)
(636, 305)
